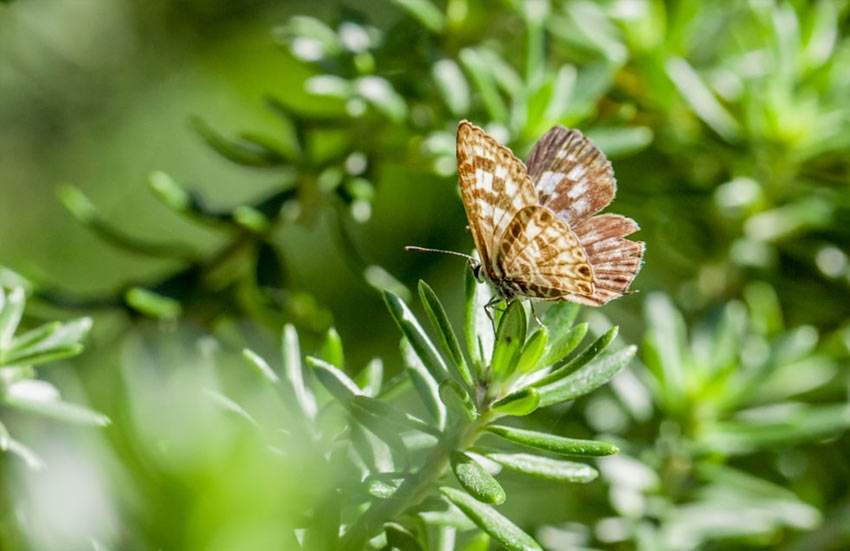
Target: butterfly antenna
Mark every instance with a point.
(427, 250)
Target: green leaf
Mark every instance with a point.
(475, 480)
(457, 399)
(586, 379)
(619, 141)
(33, 336)
(587, 355)
(560, 347)
(488, 519)
(483, 79)
(56, 342)
(380, 427)
(383, 281)
(152, 304)
(32, 357)
(425, 12)
(334, 380)
(452, 516)
(56, 409)
(475, 322)
(519, 403)
(4, 437)
(32, 460)
(452, 85)
(665, 349)
(702, 99)
(371, 377)
(545, 467)
(11, 310)
(381, 488)
(399, 537)
(250, 218)
(259, 364)
(331, 350)
(552, 443)
(440, 321)
(230, 406)
(291, 353)
(532, 352)
(559, 318)
(423, 382)
(510, 338)
(242, 152)
(415, 335)
(384, 410)
(380, 93)
(169, 191)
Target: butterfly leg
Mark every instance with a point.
(534, 315)
(494, 300)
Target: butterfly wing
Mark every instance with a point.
(573, 178)
(615, 260)
(542, 258)
(571, 175)
(494, 186)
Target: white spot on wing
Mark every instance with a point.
(548, 181)
(576, 172)
(580, 206)
(485, 178)
(578, 189)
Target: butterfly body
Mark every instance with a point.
(534, 227)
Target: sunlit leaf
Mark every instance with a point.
(291, 353)
(457, 399)
(519, 403)
(425, 12)
(440, 322)
(553, 443)
(545, 467)
(587, 378)
(488, 519)
(475, 480)
(424, 383)
(510, 338)
(416, 336)
(334, 380)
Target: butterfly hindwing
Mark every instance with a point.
(494, 186)
(615, 259)
(542, 257)
(571, 175)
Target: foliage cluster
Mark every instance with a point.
(729, 131)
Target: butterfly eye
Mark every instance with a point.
(476, 273)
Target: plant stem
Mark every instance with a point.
(416, 488)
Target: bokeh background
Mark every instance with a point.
(195, 174)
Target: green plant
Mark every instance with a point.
(20, 354)
(741, 408)
(390, 458)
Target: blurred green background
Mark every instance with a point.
(194, 174)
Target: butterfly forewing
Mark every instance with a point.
(494, 186)
(571, 175)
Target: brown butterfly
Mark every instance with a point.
(535, 228)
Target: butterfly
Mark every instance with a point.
(535, 226)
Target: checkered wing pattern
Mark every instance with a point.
(535, 229)
(542, 258)
(494, 186)
(573, 178)
(571, 175)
